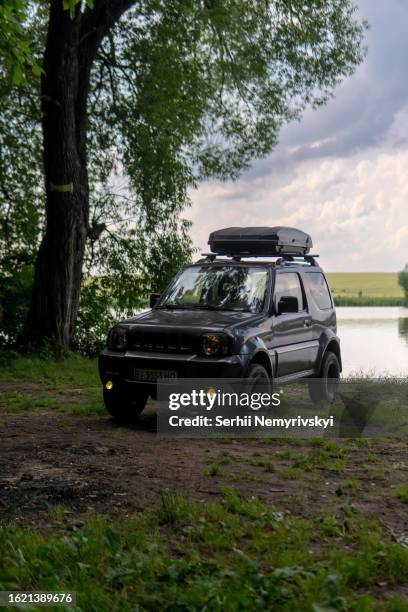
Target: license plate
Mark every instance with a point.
(153, 375)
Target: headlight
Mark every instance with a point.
(214, 344)
(117, 339)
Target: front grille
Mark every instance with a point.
(163, 342)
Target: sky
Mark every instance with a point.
(341, 174)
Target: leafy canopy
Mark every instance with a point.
(181, 92)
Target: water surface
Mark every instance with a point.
(374, 340)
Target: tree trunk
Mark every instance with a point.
(71, 47)
(58, 267)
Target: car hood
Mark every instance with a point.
(193, 319)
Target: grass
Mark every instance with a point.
(403, 494)
(87, 402)
(71, 384)
(351, 483)
(214, 469)
(73, 370)
(318, 458)
(291, 473)
(366, 288)
(235, 554)
(268, 465)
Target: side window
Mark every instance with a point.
(288, 284)
(319, 290)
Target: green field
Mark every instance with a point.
(366, 288)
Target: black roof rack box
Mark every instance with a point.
(267, 241)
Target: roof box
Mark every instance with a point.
(254, 241)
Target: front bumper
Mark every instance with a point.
(118, 367)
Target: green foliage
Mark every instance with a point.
(180, 92)
(133, 266)
(16, 52)
(21, 186)
(70, 5)
(95, 317)
(16, 279)
(199, 90)
(235, 554)
(403, 281)
(19, 58)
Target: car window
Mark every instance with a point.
(319, 290)
(241, 288)
(288, 284)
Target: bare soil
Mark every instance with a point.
(89, 465)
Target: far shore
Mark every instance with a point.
(366, 289)
(367, 301)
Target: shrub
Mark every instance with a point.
(15, 291)
(403, 281)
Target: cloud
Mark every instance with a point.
(355, 208)
(364, 107)
(341, 173)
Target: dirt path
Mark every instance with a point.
(90, 465)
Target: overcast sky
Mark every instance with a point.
(342, 173)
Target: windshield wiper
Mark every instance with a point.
(172, 306)
(211, 307)
(198, 307)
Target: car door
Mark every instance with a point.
(291, 343)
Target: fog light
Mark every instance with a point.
(108, 385)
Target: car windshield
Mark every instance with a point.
(240, 288)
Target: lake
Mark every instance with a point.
(374, 340)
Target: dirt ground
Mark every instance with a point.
(90, 465)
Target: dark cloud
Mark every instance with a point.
(364, 107)
(340, 173)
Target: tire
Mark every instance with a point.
(258, 377)
(324, 388)
(123, 407)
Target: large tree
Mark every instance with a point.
(173, 92)
(122, 263)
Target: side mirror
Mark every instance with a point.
(288, 303)
(154, 298)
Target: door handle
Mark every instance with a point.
(307, 323)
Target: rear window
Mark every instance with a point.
(319, 290)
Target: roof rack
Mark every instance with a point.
(291, 259)
(286, 259)
(213, 256)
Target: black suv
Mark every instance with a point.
(229, 315)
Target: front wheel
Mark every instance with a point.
(324, 388)
(123, 407)
(258, 379)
